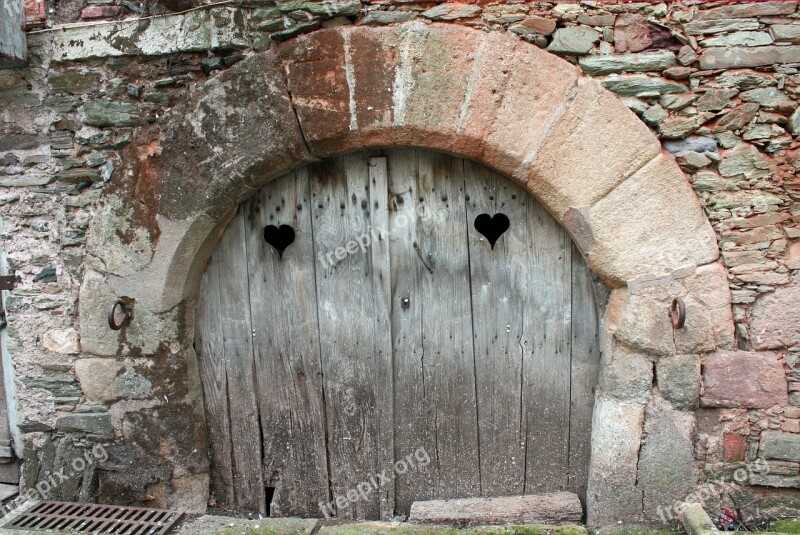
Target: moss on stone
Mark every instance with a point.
(270, 529)
(219, 525)
(210, 525)
(381, 528)
(639, 530)
(786, 526)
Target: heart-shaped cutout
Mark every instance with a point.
(279, 237)
(492, 227)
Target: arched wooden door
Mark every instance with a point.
(367, 337)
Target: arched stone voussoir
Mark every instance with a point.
(484, 96)
(650, 225)
(237, 132)
(594, 144)
(197, 163)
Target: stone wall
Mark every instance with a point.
(717, 83)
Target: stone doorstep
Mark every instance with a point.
(221, 525)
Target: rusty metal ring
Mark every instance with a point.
(677, 313)
(112, 314)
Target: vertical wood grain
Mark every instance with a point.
(237, 348)
(585, 365)
(354, 328)
(211, 364)
(501, 282)
(285, 335)
(435, 374)
(546, 379)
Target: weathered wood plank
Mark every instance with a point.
(211, 363)
(502, 284)
(585, 364)
(414, 419)
(237, 347)
(449, 360)
(554, 508)
(381, 279)
(354, 332)
(546, 378)
(285, 335)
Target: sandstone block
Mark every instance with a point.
(627, 377)
(742, 379)
(528, 108)
(565, 172)
(107, 380)
(776, 319)
(645, 204)
(637, 314)
(709, 318)
(95, 299)
(666, 467)
(616, 438)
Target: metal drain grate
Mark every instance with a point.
(99, 519)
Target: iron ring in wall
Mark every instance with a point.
(677, 313)
(120, 305)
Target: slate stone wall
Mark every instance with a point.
(718, 83)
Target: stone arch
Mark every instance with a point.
(488, 97)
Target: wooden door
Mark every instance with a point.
(382, 328)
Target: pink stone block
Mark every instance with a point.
(743, 379)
